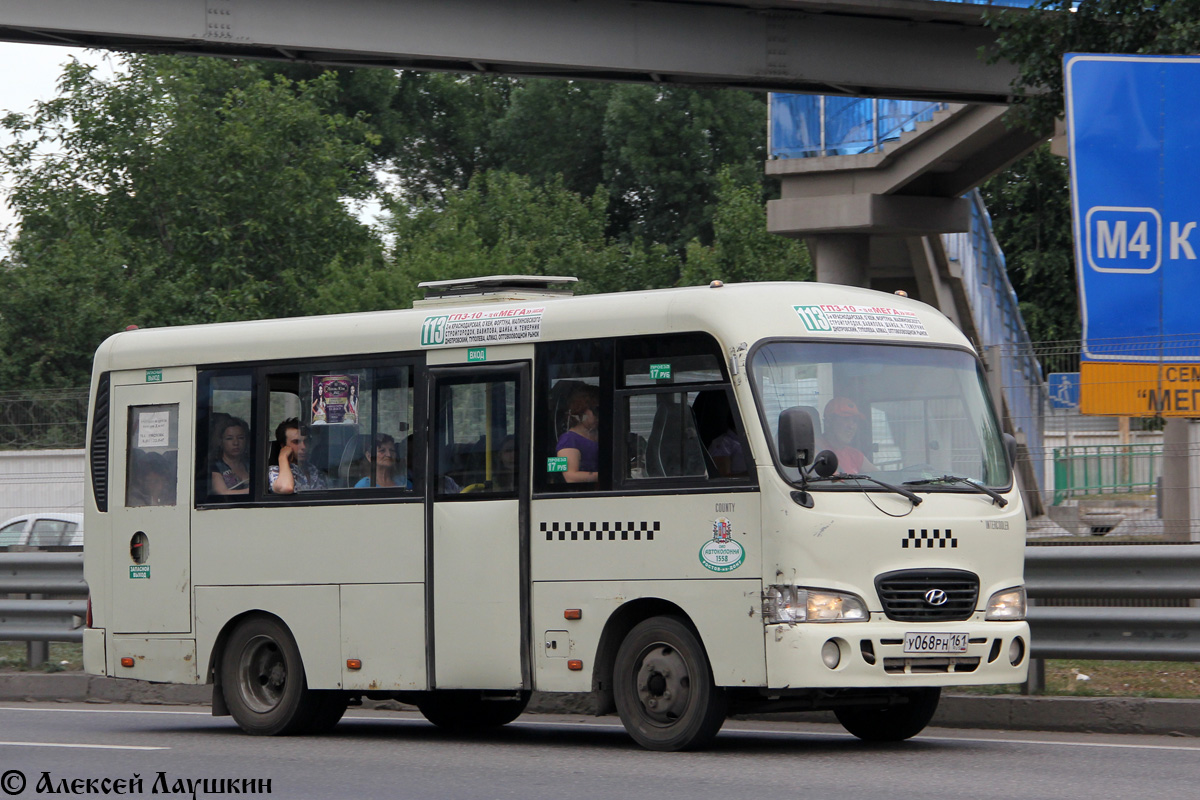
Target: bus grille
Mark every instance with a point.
(929, 666)
(903, 594)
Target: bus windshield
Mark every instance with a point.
(896, 413)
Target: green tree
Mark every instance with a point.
(183, 190)
(555, 128)
(1030, 205)
(1036, 40)
(655, 150)
(501, 224)
(663, 150)
(443, 129)
(742, 250)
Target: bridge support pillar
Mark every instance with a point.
(841, 258)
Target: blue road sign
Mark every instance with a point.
(1064, 389)
(1133, 127)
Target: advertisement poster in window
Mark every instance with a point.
(335, 400)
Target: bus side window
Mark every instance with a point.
(380, 457)
(151, 456)
(574, 427)
(664, 421)
(677, 411)
(226, 442)
(718, 433)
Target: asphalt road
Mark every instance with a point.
(382, 754)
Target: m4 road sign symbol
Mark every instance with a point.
(1123, 239)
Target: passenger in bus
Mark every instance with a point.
(293, 473)
(842, 420)
(153, 481)
(579, 444)
(726, 452)
(718, 432)
(228, 464)
(504, 474)
(384, 466)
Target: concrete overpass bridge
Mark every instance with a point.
(870, 48)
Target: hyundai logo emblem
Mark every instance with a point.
(936, 597)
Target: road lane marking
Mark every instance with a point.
(840, 735)
(105, 711)
(82, 746)
(1042, 742)
(617, 726)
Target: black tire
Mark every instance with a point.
(663, 687)
(262, 679)
(891, 723)
(460, 711)
(329, 708)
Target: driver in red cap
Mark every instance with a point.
(842, 420)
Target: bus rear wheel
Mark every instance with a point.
(464, 711)
(663, 687)
(262, 679)
(891, 723)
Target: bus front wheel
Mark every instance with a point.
(663, 687)
(262, 679)
(891, 723)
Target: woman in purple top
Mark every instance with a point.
(579, 444)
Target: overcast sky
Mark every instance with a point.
(31, 73)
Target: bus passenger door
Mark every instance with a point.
(477, 569)
(150, 506)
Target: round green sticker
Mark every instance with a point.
(722, 556)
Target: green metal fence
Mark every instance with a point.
(1105, 469)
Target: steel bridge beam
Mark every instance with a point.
(881, 48)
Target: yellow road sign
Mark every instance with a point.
(1139, 390)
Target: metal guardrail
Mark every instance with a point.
(1133, 572)
(1085, 573)
(34, 618)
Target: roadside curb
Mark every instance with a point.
(77, 687)
(1128, 715)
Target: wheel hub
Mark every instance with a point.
(663, 684)
(262, 674)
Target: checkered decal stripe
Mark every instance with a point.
(600, 531)
(929, 538)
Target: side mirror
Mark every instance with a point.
(1010, 447)
(796, 439)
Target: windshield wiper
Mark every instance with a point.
(843, 476)
(997, 498)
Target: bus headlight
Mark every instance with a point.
(792, 604)
(1007, 604)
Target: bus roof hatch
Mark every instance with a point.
(494, 288)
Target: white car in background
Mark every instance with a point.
(46, 529)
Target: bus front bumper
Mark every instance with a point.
(874, 654)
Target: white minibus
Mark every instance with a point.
(687, 502)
